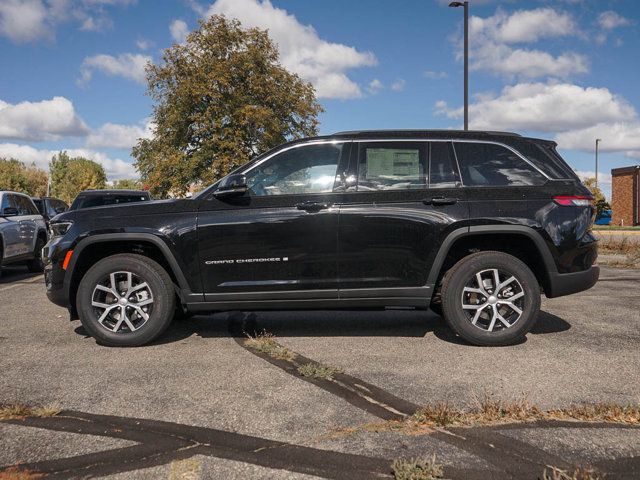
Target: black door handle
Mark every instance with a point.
(312, 206)
(440, 201)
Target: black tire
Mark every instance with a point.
(160, 290)
(463, 275)
(36, 265)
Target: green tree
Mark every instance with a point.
(14, 175)
(600, 199)
(220, 99)
(127, 184)
(72, 175)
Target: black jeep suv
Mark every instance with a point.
(474, 225)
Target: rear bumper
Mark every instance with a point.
(561, 284)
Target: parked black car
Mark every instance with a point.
(472, 224)
(101, 198)
(49, 207)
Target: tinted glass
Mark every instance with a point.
(443, 172)
(8, 201)
(485, 164)
(391, 166)
(58, 206)
(25, 206)
(100, 201)
(302, 170)
(544, 156)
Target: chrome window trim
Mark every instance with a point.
(291, 147)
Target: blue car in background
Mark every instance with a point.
(604, 218)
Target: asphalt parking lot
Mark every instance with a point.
(200, 404)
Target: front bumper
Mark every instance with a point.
(54, 275)
(561, 284)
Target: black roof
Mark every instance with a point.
(114, 191)
(476, 134)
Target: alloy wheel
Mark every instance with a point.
(122, 302)
(493, 300)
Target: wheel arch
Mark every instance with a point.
(94, 248)
(518, 240)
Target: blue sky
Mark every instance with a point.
(72, 70)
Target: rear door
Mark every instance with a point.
(279, 240)
(405, 199)
(10, 226)
(29, 219)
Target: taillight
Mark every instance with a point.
(574, 200)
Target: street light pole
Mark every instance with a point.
(598, 140)
(466, 59)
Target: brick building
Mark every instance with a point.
(625, 196)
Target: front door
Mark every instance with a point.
(13, 243)
(280, 238)
(392, 223)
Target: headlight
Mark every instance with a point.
(59, 229)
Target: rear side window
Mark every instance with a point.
(443, 172)
(486, 164)
(545, 157)
(26, 206)
(392, 166)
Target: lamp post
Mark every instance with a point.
(466, 59)
(598, 140)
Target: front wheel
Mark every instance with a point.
(36, 265)
(125, 300)
(490, 299)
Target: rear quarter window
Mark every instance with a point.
(491, 165)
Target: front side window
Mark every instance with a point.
(25, 206)
(297, 171)
(486, 164)
(391, 166)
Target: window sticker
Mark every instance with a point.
(392, 163)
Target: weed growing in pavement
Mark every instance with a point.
(417, 469)
(491, 411)
(580, 473)
(265, 342)
(317, 370)
(17, 473)
(621, 246)
(19, 411)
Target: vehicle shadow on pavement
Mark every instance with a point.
(15, 274)
(332, 324)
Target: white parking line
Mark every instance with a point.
(20, 282)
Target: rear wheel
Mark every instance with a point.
(36, 264)
(490, 298)
(126, 300)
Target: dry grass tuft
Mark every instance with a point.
(580, 473)
(265, 343)
(417, 469)
(491, 411)
(17, 473)
(621, 246)
(317, 370)
(19, 411)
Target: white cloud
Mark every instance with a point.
(23, 20)
(111, 135)
(545, 108)
(179, 31)
(398, 85)
(144, 44)
(127, 65)
(576, 115)
(375, 86)
(611, 20)
(31, 20)
(494, 39)
(114, 168)
(302, 51)
(43, 120)
(435, 75)
(603, 178)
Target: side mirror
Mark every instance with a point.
(231, 186)
(9, 212)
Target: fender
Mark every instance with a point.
(543, 249)
(119, 237)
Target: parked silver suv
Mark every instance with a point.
(23, 232)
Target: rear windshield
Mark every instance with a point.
(100, 201)
(544, 156)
